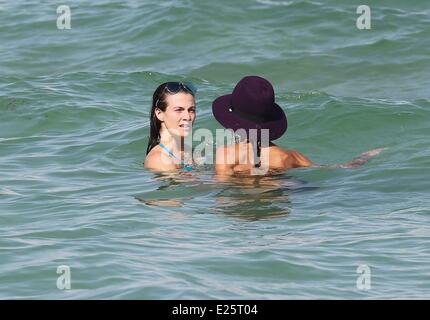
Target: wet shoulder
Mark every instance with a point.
(287, 159)
(296, 159)
(158, 159)
(279, 157)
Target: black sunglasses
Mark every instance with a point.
(175, 87)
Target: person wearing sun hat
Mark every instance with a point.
(252, 107)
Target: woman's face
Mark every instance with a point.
(179, 115)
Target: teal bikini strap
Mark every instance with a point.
(186, 167)
(168, 150)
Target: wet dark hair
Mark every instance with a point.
(256, 145)
(258, 155)
(159, 102)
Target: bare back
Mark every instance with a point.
(240, 158)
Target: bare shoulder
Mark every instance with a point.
(296, 159)
(291, 158)
(278, 157)
(278, 151)
(159, 160)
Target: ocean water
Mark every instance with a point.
(74, 107)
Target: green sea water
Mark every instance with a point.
(74, 127)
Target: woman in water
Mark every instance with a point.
(249, 110)
(173, 114)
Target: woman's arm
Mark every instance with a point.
(354, 163)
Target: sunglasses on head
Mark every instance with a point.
(175, 87)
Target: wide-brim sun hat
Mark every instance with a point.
(251, 105)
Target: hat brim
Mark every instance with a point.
(276, 122)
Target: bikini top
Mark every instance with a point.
(185, 167)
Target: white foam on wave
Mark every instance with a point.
(8, 192)
(282, 3)
(276, 3)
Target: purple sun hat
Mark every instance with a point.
(251, 105)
